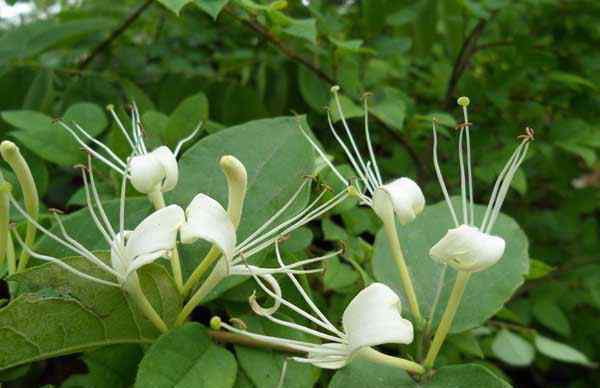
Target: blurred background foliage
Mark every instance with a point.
(523, 63)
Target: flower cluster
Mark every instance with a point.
(373, 317)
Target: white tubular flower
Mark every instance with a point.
(372, 318)
(149, 171)
(469, 247)
(402, 196)
(153, 238)
(206, 219)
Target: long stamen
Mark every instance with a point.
(111, 109)
(89, 149)
(304, 220)
(438, 173)
(296, 345)
(275, 216)
(323, 156)
(505, 186)
(182, 142)
(497, 184)
(101, 145)
(348, 132)
(82, 250)
(305, 296)
(91, 208)
(298, 310)
(279, 227)
(137, 125)
(369, 144)
(355, 165)
(463, 191)
(96, 196)
(62, 264)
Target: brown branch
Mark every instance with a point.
(237, 339)
(114, 35)
(263, 31)
(468, 49)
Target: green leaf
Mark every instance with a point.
(538, 269)
(513, 349)
(572, 80)
(303, 28)
(466, 343)
(314, 90)
(550, 315)
(174, 5)
(338, 275)
(111, 366)
(486, 291)
(561, 352)
(186, 358)
(212, 7)
(277, 159)
(263, 367)
(77, 314)
(136, 95)
(349, 109)
(363, 374)
(40, 93)
(33, 39)
(185, 118)
(390, 106)
(47, 139)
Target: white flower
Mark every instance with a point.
(372, 318)
(149, 171)
(468, 247)
(153, 238)
(402, 196)
(206, 219)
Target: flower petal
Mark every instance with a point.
(142, 260)
(468, 249)
(208, 220)
(171, 170)
(330, 356)
(403, 195)
(157, 232)
(373, 318)
(147, 173)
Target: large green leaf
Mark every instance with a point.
(46, 138)
(264, 367)
(363, 374)
(276, 156)
(186, 358)
(212, 7)
(486, 291)
(60, 313)
(175, 5)
(561, 352)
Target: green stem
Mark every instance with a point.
(134, 289)
(11, 258)
(446, 323)
(215, 277)
(11, 154)
(157, 199)
(373, 355)
(4, 217)
(389, 226)
(436, 300)
(212, 255)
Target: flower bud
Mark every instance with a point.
(467, 249)
(155, 171)
(402, 197)
(237, 181)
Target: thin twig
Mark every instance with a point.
(114, 35)
(263, 31)
(237, 339)
(468, 49)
